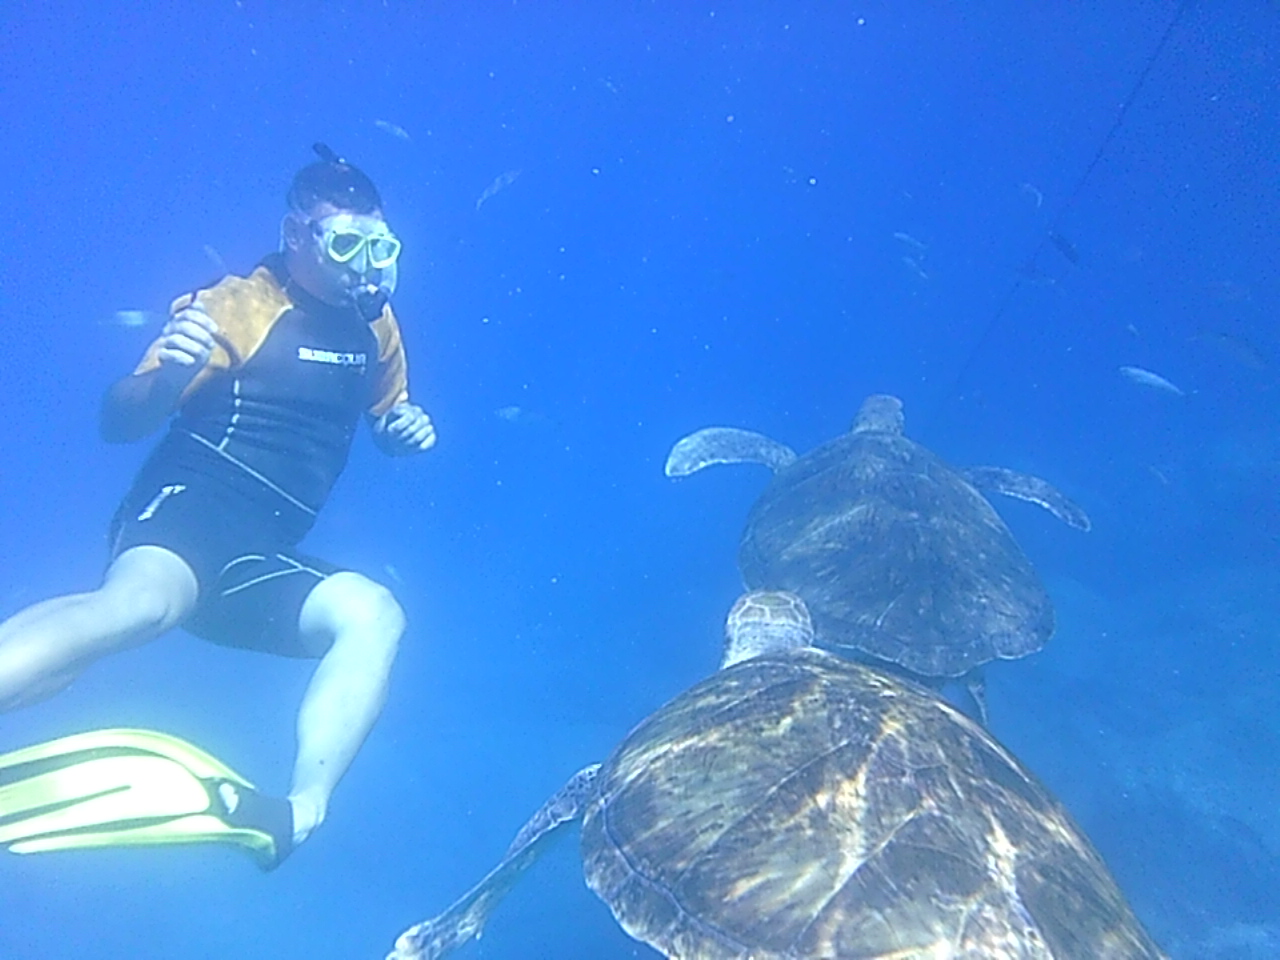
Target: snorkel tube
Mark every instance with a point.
(370, 274)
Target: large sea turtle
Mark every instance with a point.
(897, 554)
(799, 805)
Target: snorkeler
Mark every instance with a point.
(263, 380)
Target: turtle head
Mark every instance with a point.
(879, 413)
(765, 621)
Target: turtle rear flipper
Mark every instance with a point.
(465, 918)
(1024, 486)
(712, 445)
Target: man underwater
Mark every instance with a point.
(263, 379)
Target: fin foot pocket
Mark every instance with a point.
(124, 787)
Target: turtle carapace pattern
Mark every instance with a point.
(898, 555)
(797, 805)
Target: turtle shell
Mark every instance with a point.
(897, 557)
(804, 806)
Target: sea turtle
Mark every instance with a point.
(897, 554)
(799, 805)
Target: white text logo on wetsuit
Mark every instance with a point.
(336, 359)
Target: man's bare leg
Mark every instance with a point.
(360, 623)
(146, 591)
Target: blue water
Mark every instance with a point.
(702, 231)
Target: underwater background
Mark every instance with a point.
(622, 222)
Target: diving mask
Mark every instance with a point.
(360, 241)
(365, 246)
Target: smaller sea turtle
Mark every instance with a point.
(898, 556)
(797, 805)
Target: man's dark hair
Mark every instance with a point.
(332, 180)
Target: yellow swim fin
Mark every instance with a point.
(122, 788)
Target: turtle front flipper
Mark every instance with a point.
(712, 445)
(1023, 486)
(466, 917)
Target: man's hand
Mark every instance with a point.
(404, 429)
(186, 342)
(137, 405)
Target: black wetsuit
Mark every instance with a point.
(260, 438)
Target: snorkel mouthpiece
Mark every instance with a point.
(370, 301)
(371, 298)
(374, 290)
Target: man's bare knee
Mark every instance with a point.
(353, 606)
(147, 591)
(145, 610)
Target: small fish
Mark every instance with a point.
(1234, 348)
(1146, 378)
(910, 241)
(914, 266)
(500, 183)
(1228, 291)
(214, 257)
(1029, 190)
(1034, 275)
(517, 414)
(1064, 246)
(132, 319)
(393, 129)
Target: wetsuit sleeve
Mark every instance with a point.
(244, 308)
(393, 367)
